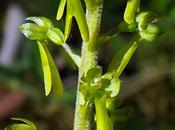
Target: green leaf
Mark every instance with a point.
(26, 125)
(122, 58)
(33, 31)
(55, 35)
(114, 87)
(74, 9)
(51, 75)
(41, 21)
(131, 8)
(121, 114)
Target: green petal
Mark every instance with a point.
(67, 26)
(46, 68)
(74, 9)
(51, 76)
(33, 31)
(131, 8)
(57, 86)
(61, 9)
(42, 21)
(55, 35)
(114, 87)
(81, 20)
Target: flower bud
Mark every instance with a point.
(150, 33)
(55, 35)
(144, 18)
(146, 27)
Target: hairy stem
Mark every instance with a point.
(84, 114)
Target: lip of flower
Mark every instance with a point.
(74, 9)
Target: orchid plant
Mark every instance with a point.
(97, 106)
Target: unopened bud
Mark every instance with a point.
(55, 35)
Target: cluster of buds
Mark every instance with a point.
(145, 23)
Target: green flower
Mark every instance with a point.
(41, 30)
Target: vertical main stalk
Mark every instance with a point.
(84, 114)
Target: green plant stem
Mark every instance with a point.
(84, 114)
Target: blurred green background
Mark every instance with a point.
(148, 81)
